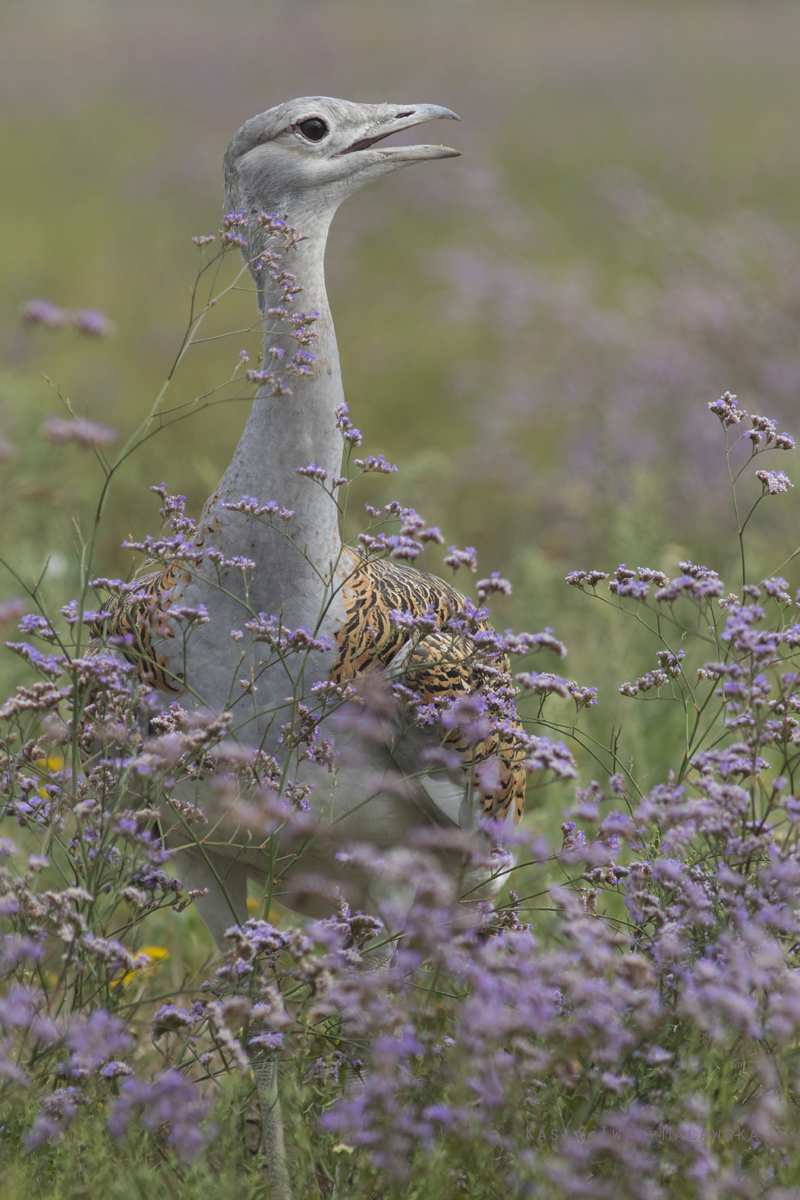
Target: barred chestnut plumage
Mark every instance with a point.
(441, 665)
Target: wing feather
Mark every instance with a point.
(438, 667)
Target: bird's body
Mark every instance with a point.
(302, 572)
(440, 666)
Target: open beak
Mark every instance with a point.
(399, 117)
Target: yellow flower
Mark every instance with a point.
(275, 913)
(149, 956)
(156, 952)
(54, 762)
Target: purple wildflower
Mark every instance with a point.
(495, 583)
(88, 433)
(456, 558)
(774, 482)
(89, 320)
(94, 1040)
(170, 1100)
(42, 312)
(11, 609)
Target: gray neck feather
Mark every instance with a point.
(281, 434)
(292, 578)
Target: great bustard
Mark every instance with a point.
(303, 158)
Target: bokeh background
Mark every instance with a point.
(532, 331)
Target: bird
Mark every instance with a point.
(286, 171)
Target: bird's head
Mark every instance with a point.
(305, 156)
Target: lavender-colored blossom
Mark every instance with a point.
(42, 312)
(584, 697)
(727, 409)
(170, 1019)
(251, 505)
(94, 1040)
(495, 583)
(374, 462)
(579, 578)
(690, 585)
(33, 623)
(543, 755)
(522, 643)
(92, 322)
(774, 482)
(15, 950)
(468, 714)
(17, 1008)
(351, 435)
(268, 629)
(268, 1042)
(268, 379)
(398, 545)
(116, 1070)
(11, 609)
(56, 1112)
(303, 361)
(410, 622)
(235, 219)
(48, 664)
(170, 1100)
(313, 472)
(456, 558)
(80, 429)
(544, 683)
(637, 589)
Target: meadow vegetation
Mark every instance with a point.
(541, 343)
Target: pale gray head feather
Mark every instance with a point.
(270, 166)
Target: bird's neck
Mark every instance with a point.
(286, 432)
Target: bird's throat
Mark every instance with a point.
(284, 433)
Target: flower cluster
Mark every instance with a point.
(642, 975)
(85, 320)
(87, 433)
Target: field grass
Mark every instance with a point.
(532, 331)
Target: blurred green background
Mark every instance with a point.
(532, 331)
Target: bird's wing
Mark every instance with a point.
(131, 620)
(437, 667)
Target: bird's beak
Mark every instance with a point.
(392, 118)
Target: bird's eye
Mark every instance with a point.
(314, 129)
